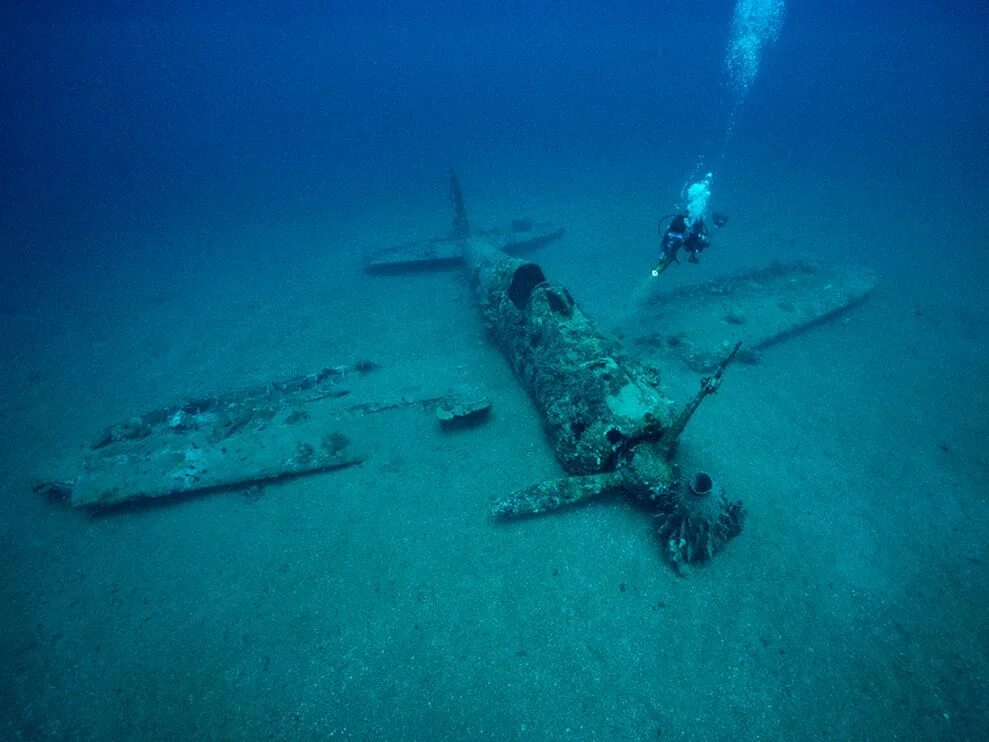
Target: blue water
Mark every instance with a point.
(189, 195)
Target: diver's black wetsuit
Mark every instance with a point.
(694, 239)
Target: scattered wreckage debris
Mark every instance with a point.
(462, 411)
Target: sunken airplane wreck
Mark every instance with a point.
(611, 428)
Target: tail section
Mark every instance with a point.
(461, 226)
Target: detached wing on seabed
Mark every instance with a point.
(694, 325)
(245, 439)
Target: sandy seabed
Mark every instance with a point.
(382, 602)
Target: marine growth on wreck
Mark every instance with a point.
(611, 428)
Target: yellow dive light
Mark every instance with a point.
(661, 266)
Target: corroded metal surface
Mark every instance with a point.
(240, 440)
(594, 403)
(611, 427)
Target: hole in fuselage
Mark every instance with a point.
(524, 282)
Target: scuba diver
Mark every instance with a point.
(681, 233)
